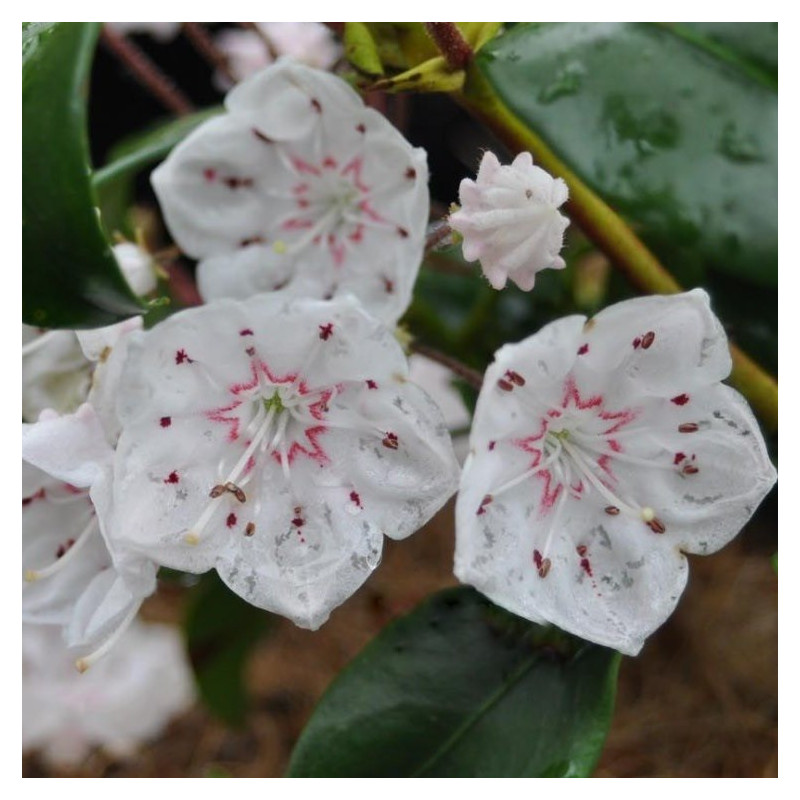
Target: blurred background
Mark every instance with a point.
(700, 701)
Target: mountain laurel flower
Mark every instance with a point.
(276, 440)
(601, 452)
(125, 700)
(56, 368)
(509, 220)
(73, 576)
(299, 187)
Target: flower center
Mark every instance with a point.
(278, 421)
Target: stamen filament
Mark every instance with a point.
(194, 534)
(59, 564)
(82, 664)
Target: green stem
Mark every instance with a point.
(608, 230)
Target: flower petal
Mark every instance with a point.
(662, 342)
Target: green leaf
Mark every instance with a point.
(221, 631)
(679, 138)
(460, 688)
(114, 182)
(70, 275)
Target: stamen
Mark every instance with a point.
(82, 664)
(59, 564)
(229, 484)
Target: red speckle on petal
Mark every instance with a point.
(371, 384)
(586, 566)
(388, 285)
(63, 548)
(38, 496)
(326, 331)
(637, 342)
(209, 174)
(329, 162)
(411, 173)
(251, 351)
(402, 231)
(262, 136)
(298, 522)
(245, 332)
(252, 240)
(492, 445)
(678, 458)
(583, 349)
(316, 105)
(361, 127)
(680, 400)
(354, 496)
(231, 520)
(182, 358)
(165, 422)
(172, 477)
(581, 549)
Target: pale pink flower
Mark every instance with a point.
(510, 221)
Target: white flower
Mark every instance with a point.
(299, 186)
(311, 43)
(509, 219)
(55, 372)
(277, 441)
(73, 574)
(56, 367)
(125, 700)
(601, 452)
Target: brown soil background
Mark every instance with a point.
(700, 701)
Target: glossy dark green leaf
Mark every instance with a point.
(679, 139)
(70, 276)
(221, 632)
(753, 42)
(460, 688)
(113, 183)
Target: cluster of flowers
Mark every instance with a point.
(273, 433)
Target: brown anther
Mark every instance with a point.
(611, 511)
(217, 491)
(689, 427)
(544, 568)
(656, 525)
(236, 491)
(515, 377)
(690, 469)
(581, 550)
(249, 529)
(648, 340)
(390, 441)
(505, 385)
